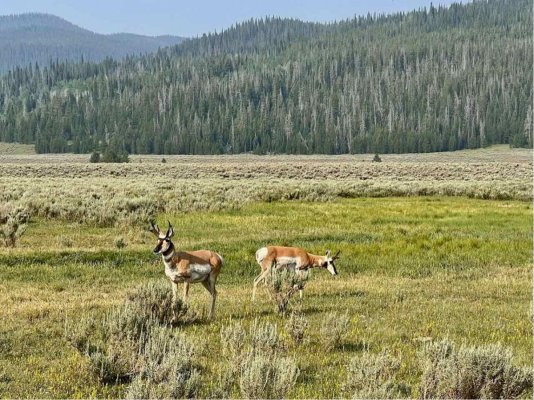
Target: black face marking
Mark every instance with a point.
(158, 247)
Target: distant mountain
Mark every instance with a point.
(30, 38)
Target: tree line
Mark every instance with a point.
(435, 79)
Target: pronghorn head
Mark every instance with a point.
(164, 239)
(328, 262)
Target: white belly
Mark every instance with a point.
(197, 273)
(288, 262)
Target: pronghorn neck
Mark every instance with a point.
(315, 260)
(168, 255)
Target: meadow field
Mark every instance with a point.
(433, 247)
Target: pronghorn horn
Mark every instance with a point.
(154, 228)
(337, 255)
(170, 230)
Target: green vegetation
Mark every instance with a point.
(68, 188)
(437, 79)
(413, 270)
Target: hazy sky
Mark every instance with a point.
(194, 17)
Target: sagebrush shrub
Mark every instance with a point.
(373, 376)
(13, 220)
(233, 339)
(282, 284)
(296, 326)
(154, 299)
(264, 337)
(115, 342)
(471, 372)
(254, 363)
(166, 368)
(267, 376)
(335, 329)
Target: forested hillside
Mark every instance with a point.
(38, 38)
(429, 80)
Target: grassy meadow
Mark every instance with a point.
(413, 268)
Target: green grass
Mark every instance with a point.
(412, 269)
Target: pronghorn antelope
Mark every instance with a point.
(188, 266)
(290, 257)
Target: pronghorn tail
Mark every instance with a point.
(261, 254)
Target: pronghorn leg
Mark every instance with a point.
(213, 292)
(174, 297)
(174, 290)
(300, 293)
(209, 284)
(186, 291)
(257, 281)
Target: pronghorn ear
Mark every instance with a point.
(154, 228)
(328, 253)
(337, 255)
(170, 230)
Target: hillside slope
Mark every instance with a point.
(442, 79)
(39, 38)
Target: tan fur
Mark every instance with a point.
(182, 259)
(307, 260)
(275, 254)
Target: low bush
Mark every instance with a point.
(154, 299)
(282, 284)
(267, 377)
(471, 372)
(254, 365)
(95, 157)
(115, 342)
(13, 220)
(166, 368)
(373, 376)
(296, 326)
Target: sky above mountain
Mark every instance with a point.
(192, 18)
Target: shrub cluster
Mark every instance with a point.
(283, 283)
(254, 363)
(372, 376)
(133, 343)
(471, 372)
(296, 326)
(335, 329)
(13, 220)
(166, 368)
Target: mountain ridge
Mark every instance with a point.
(39, 38)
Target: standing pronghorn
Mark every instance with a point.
(188, 266)
(290, 257)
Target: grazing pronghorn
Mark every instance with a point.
(290, 257)
(188, 266)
